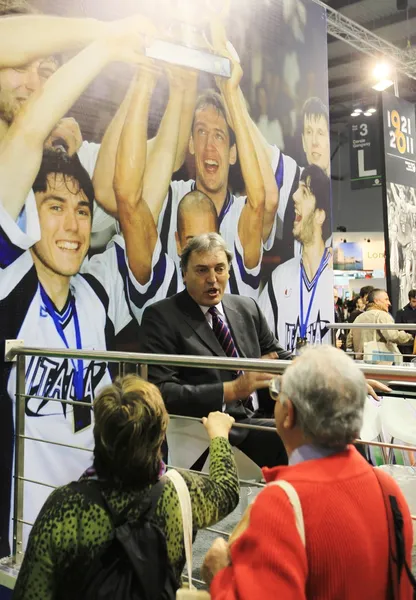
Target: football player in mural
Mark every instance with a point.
(29, 44)
(157, 275)
(43, 299)
(215, 144)
(295, 301)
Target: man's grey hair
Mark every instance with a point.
(374, 294)
(206, 242)
(328, 391)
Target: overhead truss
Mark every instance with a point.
(368, 42)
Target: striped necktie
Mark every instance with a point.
(223, 334)
(226, 341)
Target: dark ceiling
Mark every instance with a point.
(349, 69)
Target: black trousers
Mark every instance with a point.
(264, 448)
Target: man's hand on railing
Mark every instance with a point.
(373, 383)
(218, 424)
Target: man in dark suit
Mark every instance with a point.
(188, 324)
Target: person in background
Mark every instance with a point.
(319, 412)
(130, 426)
(408, 315)
(339, 318)
(364, 291)
(362, 301)
(377, 312)
(357, 308)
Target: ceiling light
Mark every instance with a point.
(355, 114)
(382, 76)
(358, 110)
(382, 85)
(372, 110)
(381, 71)
(367, 113)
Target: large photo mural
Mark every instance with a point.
(126, 129)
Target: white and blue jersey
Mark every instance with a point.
(280, 302)
(97, 309)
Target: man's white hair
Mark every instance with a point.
(328, 391)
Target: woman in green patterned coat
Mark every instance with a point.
(130, 426)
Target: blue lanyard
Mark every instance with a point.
(79, 367)
(304, 323)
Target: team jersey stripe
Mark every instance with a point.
(279, 175)
(98, 288)
(164, 230)
(275, 308)
(159, 272)
(8, 251)
(252, 280)
(225, 207)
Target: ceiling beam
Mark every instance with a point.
(351, 56)
(364, 40)
(373, 25)
(338, 4)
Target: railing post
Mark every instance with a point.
(19, 460)
(143, 371)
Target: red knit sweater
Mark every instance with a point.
(346, 555)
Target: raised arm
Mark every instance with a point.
(265, 153)
(166, 151)
(28, 37)
(250, 226)
(44, 109)
(136, 219)
(103, 178)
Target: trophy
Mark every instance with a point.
(185, 42)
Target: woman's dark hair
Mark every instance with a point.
(130, 425)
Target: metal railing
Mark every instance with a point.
(394, 326)
(141, 361)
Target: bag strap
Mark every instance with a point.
(379, 322)
(296, 504)
(397, 548)
(186, 510)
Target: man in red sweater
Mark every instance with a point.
(319, 408)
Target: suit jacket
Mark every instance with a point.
(177, 325)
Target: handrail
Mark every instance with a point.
(211, 362)
(395, 326)
(20, 352)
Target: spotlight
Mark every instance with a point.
(367, 113)
(382, 74)
(355, 114)
(358, 110)
(372, 110)
(381, 70)
(382, 85)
